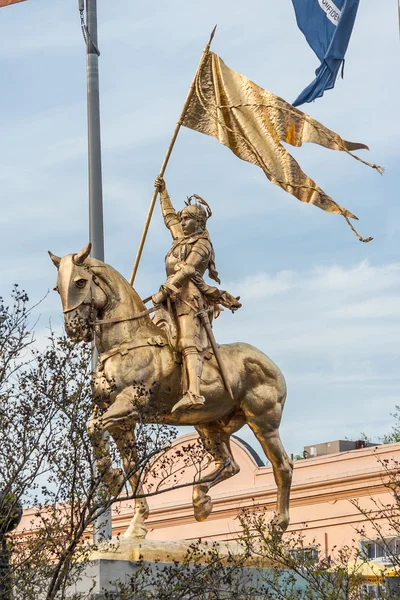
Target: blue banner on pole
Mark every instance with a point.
(327, 26)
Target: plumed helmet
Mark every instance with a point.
(199, 211)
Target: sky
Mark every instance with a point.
(324, 306)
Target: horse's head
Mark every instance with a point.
(81, 296)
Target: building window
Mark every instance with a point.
(381, 550)
(373, 592)
(305, 555)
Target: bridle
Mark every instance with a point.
(99, 322)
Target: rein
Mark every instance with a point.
(144, 313)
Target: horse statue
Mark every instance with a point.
(135, 355)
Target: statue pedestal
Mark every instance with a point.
(116, 562)
(167, 551)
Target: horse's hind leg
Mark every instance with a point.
(263, 416)
(215, 439)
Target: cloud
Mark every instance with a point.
(264, 285)
(382, 307)
(325, 308)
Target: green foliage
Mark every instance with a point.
(394, 435)
(389, 438)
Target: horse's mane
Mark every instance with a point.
(113, 280)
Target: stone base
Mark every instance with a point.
(168, 552)
(117, 561)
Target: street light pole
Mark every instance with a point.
(103, 526)
(94, 140)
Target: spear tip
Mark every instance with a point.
(212, 35)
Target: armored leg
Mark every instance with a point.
(194, 367)
(190, 330)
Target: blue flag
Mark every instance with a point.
(327, 26)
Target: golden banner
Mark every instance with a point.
(252, 122)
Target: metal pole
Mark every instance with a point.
(94, 141)
(103, 527)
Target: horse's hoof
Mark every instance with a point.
(114, 480)
(203, 508)
(135, 533)
(94, 428)
(279, 524)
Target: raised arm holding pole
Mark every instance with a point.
(166, 159)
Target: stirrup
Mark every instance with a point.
(189, 400)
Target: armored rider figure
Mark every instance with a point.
(191, 254)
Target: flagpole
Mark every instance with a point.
(166, 159)
(103, 527)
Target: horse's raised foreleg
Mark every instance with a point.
(216, 441)
(126, 443)
(112, 477)
(122, 412)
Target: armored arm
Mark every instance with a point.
(200, 253)
(170, 217)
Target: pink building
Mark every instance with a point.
(322, 490)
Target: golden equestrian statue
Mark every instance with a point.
(169, 369)
(140, 376)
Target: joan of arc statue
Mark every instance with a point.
(191, 254)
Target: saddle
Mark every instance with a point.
(165, 320)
